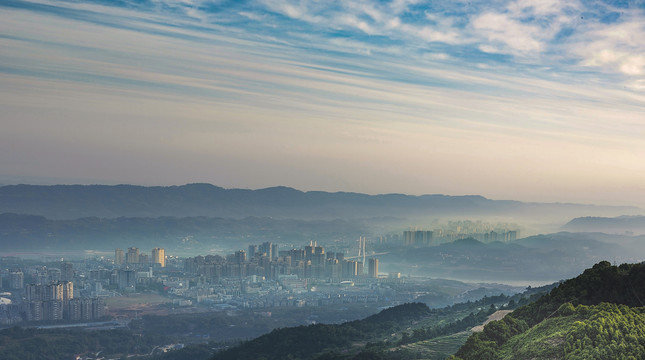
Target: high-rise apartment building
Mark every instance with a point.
(240, 257)
(350, 269)
(373, 268)
(118, 257)
(132, 257)
(318, 257)
(359, 269)
(85, 309)
(41, 276)
(53, 275)
(47, 301)
(16, 280)
(127, 279)
(63, 291)
(68, 290)
(252, 250)
(417, 237)
(274, 252)
(67, 271)
(51, 310)
(309, 250)
(266, 248)
(159, 256)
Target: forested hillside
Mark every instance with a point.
(597, 315)
(390, 334)
(32, 344)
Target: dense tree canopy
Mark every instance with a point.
(597, 315)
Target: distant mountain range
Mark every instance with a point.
(196, 217)
(107, 201)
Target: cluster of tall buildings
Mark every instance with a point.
(417, 238)
(46, 301)
(134, 267)
(505, 236)
(55, 301)
(133, 257)
(429, 238)
(265, 260)
(42, 293)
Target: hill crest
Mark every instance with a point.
(60, 202)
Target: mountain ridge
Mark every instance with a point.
(61, 202)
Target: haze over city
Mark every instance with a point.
(322, 179)
(526, 100)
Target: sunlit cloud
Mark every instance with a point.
(614, 47)
(516, 93)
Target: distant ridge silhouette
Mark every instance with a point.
(111, 201)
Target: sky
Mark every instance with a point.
(522, 99)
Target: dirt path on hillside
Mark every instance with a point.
(497, 315)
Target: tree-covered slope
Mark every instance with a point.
(32, 344)
(624, 284)
(304, 342)
(597, 315)
(605, 331)
(393, 333)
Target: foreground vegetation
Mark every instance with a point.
(597, 315)
(605, 331)
(400, 332)
(32, 344)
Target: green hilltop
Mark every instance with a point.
(597, 315)
(604, 331)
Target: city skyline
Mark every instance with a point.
(524, 100)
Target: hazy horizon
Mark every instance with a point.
(521, 99)
(49, 181)
(524, 118)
